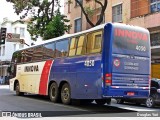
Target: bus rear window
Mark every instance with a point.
(129, 39)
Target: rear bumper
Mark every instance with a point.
(122, 93)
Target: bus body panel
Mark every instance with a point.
(29, 76)
(85, 81)
(130, 64)
(126, 56)
(33, 77)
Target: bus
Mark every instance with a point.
(108, 61)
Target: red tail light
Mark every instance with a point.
(108, 79)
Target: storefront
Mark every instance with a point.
(3, 68)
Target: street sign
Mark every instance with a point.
(22, 41)
(12, 37)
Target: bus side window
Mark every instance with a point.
(73, 45)
(19, 57)
(94, 41)
(62, 48)
(49, 50)
(81, 48)
(28, 55)
(14, 57)
(37, 54)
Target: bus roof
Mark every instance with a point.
(65, 36)
(76, 34)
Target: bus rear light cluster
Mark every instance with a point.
(108, 79)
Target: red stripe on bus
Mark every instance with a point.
(44, 78)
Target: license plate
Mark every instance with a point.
(130, 93)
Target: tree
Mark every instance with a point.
(84, 10)
(42, 16)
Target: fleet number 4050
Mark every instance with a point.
(140, 48)
(89, 63)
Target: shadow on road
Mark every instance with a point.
(92, 107)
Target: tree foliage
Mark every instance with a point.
(86, 10)
(42, 16)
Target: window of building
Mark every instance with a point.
(94, 41)
(154, 5)
(77, 25)
(77, 3)
(117, 13)
(49, 50)
(22, 32)
(62, 48)
(155, 39)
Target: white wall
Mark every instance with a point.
(27, 36)
(9, 46)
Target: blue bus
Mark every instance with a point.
(108, 61)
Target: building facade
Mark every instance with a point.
(7, 49)
(114, 12)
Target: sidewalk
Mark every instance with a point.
(4, 86)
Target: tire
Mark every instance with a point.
(120, 101)
(100, 101)
(150, 102)
(18, 93)
(54, 93)
(66, 94)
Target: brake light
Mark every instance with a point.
(158, 90)
(108, 79)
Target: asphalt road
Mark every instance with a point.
(10, 102)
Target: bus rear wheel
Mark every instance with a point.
(54, 93)
(100, 101)
(66, 94)
(18, 93)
